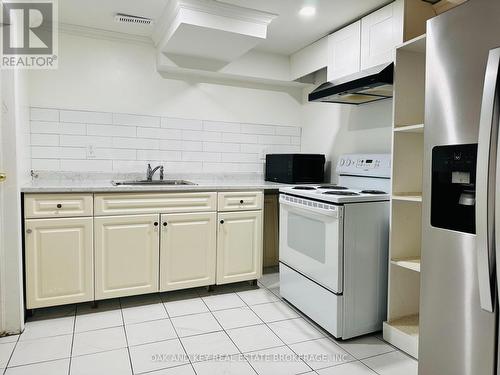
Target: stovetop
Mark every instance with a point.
(337, 193)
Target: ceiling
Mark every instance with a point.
(287, 33)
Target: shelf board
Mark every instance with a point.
(414, 45)
(403, 333)
(408, 197)
(408, 263)
(410, 128)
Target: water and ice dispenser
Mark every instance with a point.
(453, 197)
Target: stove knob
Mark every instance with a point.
(348, 163)
(342, 162)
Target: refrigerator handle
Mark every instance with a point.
(485, 182)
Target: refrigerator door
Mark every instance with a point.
(457, 337)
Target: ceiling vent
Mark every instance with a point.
(127, 18)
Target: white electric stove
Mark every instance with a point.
(334, 246)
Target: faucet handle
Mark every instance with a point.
(161, 172)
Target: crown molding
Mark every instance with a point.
(95, 33)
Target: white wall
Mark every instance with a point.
(335, 129)
(114, 76)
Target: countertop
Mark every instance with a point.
(105, 186)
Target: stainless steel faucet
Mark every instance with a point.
(150, 172)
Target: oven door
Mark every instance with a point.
(311, 240)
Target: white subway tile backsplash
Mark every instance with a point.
(159, 133)
(72, 153)
(44, 114)
(136, 143)
(87, 141)
(111, 130)
(274, 140)
(170, 144)
(44, 140)
(86, 117)
(45, 164)
(159, 155)
(114, 154)
(45, 127)
(258, 129)
(86, 165)
(240, 138)
(288, 130)
(181, 124)
(221, 147)
(218, 126)
(136, 120)
(45, 152)
(73, 128)
(200, 156)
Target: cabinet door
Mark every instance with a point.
(239, 246)
(59, 261)
(127, 255)
(188, 250)
(344, 52)
(381, 32)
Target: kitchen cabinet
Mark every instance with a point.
(381, 32)
(344, 52)
(126, 255)
(309, 59)
(59, 261)
(271, 230)
(239, 246)
(188, 250)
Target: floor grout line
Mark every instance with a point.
(126, 337)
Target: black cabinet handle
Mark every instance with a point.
(165, 224)
(155, 223)
(59, 205)
(222, 221)
(241, 201)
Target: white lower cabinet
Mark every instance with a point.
(239, 246)
(59, 261)
(188, 250)
(126, 255)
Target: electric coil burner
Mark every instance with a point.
(346, 193)
(304, 188)
(375, 192)
(333, 187)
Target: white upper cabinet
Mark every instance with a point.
(309, 59)
(381, 32)
(344, 54)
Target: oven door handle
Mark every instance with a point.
(313, 207)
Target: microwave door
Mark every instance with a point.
(311, 241)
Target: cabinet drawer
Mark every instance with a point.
(240, 201)
(125, 204)
(57, 205)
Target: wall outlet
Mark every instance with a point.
(90, 152)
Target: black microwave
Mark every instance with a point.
(295, 168)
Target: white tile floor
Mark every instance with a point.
(236, 329)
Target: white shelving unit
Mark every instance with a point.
(401, 327)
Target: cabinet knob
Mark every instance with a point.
(155, 223)
(165, 224)
(241, 201)
(222, 221)
(59, 205)
(29, 231)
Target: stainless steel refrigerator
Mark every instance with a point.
(459, 303)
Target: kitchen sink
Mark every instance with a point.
(152, 182)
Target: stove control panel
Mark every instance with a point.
(372, 165)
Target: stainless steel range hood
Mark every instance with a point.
(364, 87)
